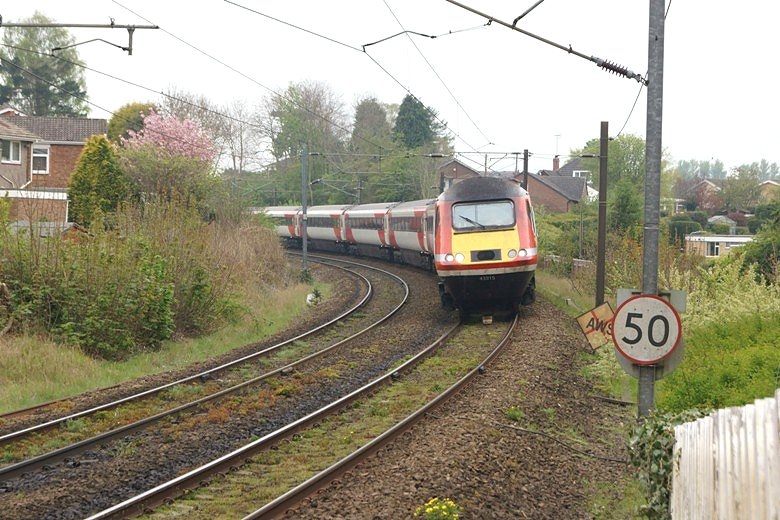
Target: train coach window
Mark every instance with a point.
(323, 222)
(364, 223)
(475, 216)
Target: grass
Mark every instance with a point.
(558, 289)
(34, 370)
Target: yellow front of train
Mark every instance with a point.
(486, 252)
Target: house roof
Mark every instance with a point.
(568, 169)
(573, 188)
(9, 130)
(62, 129)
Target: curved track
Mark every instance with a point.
(17, 469)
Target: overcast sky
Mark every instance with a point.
(499, 92)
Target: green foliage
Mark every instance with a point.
(33, 96)
(125, 289)
(626, 159)
(741, 190)
(679, 228)
(129, 117)
(156, 172)
(732, 329)
(651, 450)
(98, 184)
(720, 228)
(625, 206)
(414, 124)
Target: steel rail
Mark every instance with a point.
(283, 503)
(196, 477)
(26, 466)
(4, 439)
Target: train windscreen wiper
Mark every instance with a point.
(472, 221)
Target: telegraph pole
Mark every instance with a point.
(655, 84)
(525, 169)
(601, 255)
(304, 186)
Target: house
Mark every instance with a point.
(453, 172)
(52, 146)
(16, 144)
(724, 220)
(61, 140)
(713, 246)
(558, 194)
(573, 168)
(769, 191)
(705, 193)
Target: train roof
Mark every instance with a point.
(483, 188)
(327, 210)
(281, 209)
(414, 204)
(370, 209)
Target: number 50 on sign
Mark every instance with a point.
(646, 329)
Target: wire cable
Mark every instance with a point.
(435, 72)
(404, 87)
(246, 76)
(83, 98)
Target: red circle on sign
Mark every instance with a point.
(622, 350)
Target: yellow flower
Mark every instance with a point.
(428, 510)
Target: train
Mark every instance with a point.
(479, 236)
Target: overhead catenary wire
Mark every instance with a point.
(447, 88)
(83, 98)
(387, 72)
(248, 77)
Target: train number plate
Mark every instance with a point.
(487, 278)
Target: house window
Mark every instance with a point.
(580, 173)
(40, 159)
(713, 248)
(12, 152)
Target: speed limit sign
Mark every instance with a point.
(646, 329)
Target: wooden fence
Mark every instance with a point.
(727, 465)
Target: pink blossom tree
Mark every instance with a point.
(170, 156)
(173, 136)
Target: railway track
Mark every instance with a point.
(64, 485)
(24, 466)
(230, 463)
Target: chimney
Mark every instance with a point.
(556, 164)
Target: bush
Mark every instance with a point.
(651, 450)
(720, 229)
(160, 269)
(679, 228)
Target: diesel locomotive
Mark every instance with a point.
(479, 236)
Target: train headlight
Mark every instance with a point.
(512, 253)
(522, 253)
(459, 257)
(449, 257)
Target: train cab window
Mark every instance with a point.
(531, 215)
(477, 216)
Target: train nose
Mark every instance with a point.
(485, 255)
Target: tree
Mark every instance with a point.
(625, 206)
(129, 117)
(173, 136)
(28, 93)
(414, 124)
(172, 157)
(626, 159)
(98, 183)
(741, 189)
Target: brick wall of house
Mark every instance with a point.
(39, 209)
(62, 162)
(543, 195)
(16, 174)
